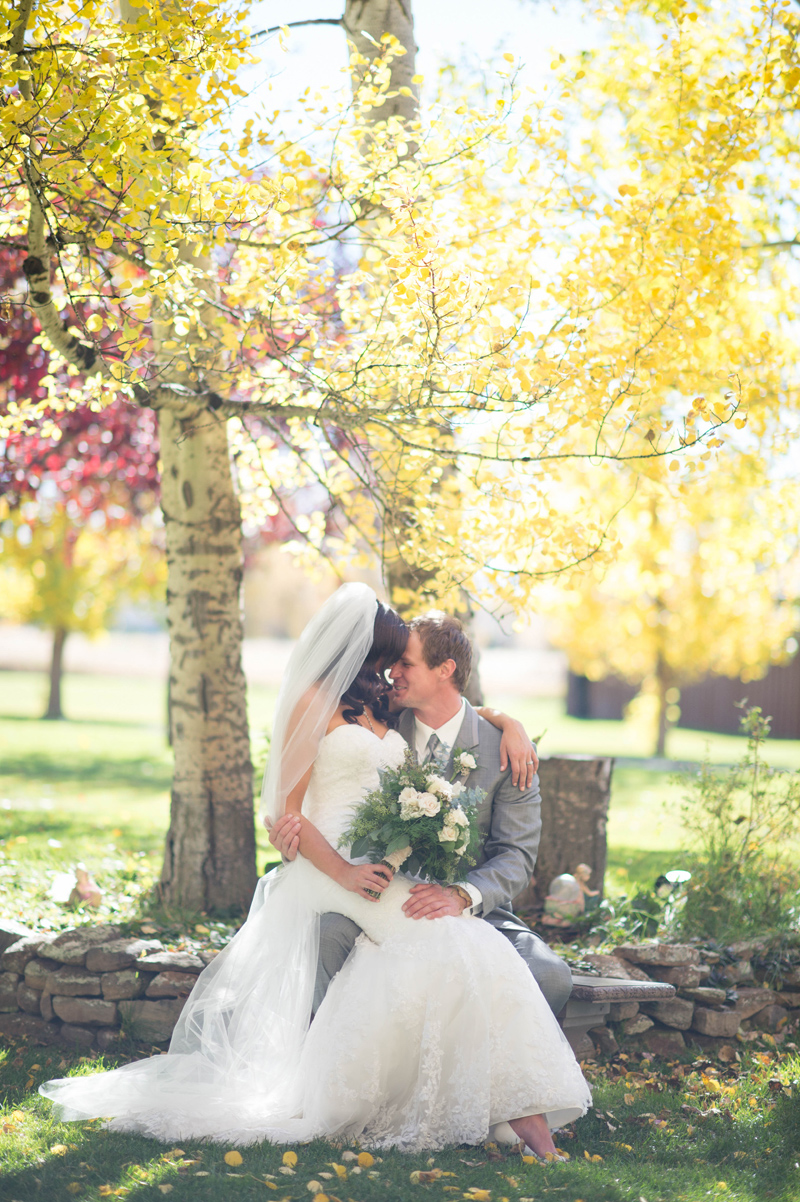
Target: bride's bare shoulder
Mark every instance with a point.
(337, 719)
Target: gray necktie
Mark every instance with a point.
(435, 750)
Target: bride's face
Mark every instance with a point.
(415, 684)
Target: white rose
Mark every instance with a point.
(408, 797)
(440, 786)
(456, 789)
(429, 804)
(448, 834)
(465, 760)
(458, 816)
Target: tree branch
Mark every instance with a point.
(782, 244)
(264, 33)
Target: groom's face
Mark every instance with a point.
(415, 684)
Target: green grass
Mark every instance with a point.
(736, 1141)
(98, 785)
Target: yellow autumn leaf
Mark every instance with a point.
(233, 1158)
(290, 1159)
(104, 239)
(366, 1160)
(59, 1149)
(94, 323)
(339, 1170)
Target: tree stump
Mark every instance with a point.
(575, 794)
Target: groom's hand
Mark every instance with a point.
(433, 901)
(285, 835)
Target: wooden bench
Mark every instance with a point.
(590, 1002)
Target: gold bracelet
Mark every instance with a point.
(462, 893)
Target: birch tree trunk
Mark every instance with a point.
(365, 22)
(54, 709)
(209, 856)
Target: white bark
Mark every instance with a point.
(209, 857)
(365, 22)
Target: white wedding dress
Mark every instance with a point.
(433, 1031)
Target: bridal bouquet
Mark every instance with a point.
(419, 820)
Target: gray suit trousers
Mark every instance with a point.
(337, 935)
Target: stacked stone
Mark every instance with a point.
(91, 985)
(699, 1013)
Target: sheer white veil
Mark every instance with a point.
(324, 662)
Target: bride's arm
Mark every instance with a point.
(515, 746)
(313, 846)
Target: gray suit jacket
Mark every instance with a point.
(509, 819)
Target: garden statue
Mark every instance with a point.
(566, 899)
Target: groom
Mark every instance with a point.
(437, 722)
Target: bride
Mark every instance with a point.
(433, 1031)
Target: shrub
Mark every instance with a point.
(744, 826)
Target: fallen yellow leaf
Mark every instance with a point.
(59, 1149)
(339, 1170)
(366, 1160)
(234, 1158)
(165, 1189)
(629, 1099)
(479, 1195)
(290, 1159)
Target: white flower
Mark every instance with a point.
(465, 760)
(457, 789)
(408, 797)
(440, 786)
(429, 804)
(458, 816)
(448, 834)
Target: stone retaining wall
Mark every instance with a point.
(700, 1013)
(92, 985)
(89, 986)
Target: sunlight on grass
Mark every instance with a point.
(672, 1131)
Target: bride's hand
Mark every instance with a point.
(357, 878)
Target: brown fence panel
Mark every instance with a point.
(711, 703)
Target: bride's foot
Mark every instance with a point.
(534, 1131)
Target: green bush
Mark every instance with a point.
(744, 828)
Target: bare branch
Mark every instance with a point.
(265, 33)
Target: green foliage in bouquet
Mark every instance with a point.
(417, 808)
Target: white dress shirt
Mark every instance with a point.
(448, 733)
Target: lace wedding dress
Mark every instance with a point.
(433, 1030)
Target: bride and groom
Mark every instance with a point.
(434, 1030)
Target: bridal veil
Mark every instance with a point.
(232, 1065)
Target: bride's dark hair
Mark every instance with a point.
(370, 687)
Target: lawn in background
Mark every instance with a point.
(95, 787)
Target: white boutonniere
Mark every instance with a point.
(464, 763)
